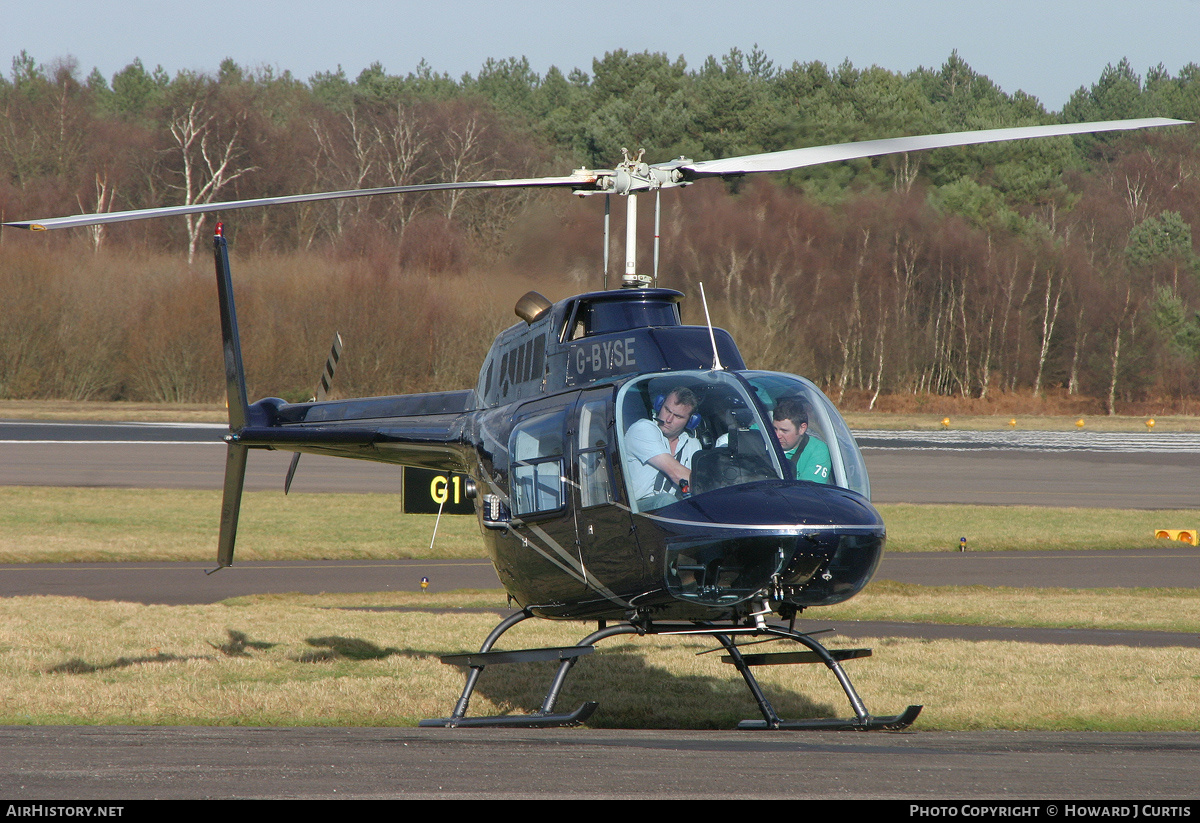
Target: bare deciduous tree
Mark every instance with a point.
(209, 159)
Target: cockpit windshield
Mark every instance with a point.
(705, 429)
(688, 433)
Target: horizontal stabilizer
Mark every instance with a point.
(283, 436)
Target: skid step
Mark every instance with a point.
(783, 658)
(477, 660)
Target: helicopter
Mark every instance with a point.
(730, 543)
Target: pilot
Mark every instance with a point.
(807, 454)
(658, 451)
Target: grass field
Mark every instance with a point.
(46, 524)
(1169, 610)
(1019, 422)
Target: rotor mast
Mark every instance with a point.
(630, 176)
(632, 280)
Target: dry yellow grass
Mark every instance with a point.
(1028, 422)
(1175, 610)
(113, 411)
(281, 660)
(995, 685)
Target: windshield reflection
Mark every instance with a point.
(688, 433)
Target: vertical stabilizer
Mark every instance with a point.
(235, 374)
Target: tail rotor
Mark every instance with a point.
(335, 354)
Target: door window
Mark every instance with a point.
(594, 485)
(537, 463)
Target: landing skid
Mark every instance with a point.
(546, 717)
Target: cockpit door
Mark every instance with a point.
(610, 550)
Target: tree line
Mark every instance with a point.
(1062, 266)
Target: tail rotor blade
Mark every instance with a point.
(291, 472)
(331, 363)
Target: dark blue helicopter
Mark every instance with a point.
(550, 440)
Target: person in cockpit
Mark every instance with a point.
(658, 451)
(807, 454)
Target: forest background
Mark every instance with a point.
(1044, 275)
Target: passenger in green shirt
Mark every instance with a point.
(807, 454)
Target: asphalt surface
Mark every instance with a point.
(117, 764)
(129, 763)
(179, 583)
(164, 456)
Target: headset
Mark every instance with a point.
(693, 422)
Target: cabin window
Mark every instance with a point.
(607, 316)
(536, 446)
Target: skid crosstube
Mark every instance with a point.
(546, 717)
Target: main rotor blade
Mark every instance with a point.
(816, 155)
(673, 173)
(583, 181)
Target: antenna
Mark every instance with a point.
(607, 213)
(657, 234)
(712, 337)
